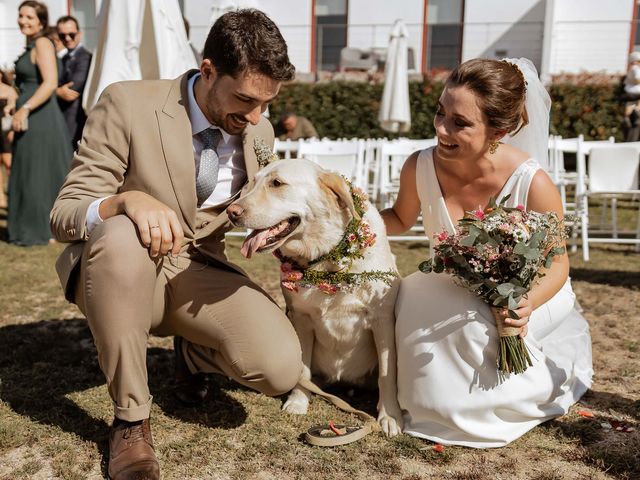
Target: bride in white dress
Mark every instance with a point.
(448, 385)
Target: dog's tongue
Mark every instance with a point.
(258, 238)
(254, 241)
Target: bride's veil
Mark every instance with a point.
(534, 137)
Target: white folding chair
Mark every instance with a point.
(343, 156)
(285, 148)
(392, 156)
(371, 167)
(613, 172)
(576, 181)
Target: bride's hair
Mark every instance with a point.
(501, 91)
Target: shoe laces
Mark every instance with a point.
(134, 433)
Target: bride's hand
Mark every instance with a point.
(524, 311)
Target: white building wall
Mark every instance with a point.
(496, 29)
(293, 20)
(370, 23)
(12, 42)
(579, 35)
(590, 35)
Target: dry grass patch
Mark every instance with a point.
(55, 411)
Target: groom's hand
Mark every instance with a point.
(159, 227)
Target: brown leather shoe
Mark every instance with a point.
(190, 388)
(131, 453)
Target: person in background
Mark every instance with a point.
(8, 96)
(75, 69)
(41, 146)
(295, 127)
(52, 34)
(61, 50)
(632, 99)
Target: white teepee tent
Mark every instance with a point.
(137, 39)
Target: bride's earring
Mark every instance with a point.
(493, 146)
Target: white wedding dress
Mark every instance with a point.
(448, 385)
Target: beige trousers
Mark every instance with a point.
(230, 326)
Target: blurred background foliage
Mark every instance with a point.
(348, 109)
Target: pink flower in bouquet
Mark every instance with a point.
(505, 228)
(520, 207)
(479, 214)
(442, 236)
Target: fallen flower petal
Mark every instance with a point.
(438, 448)
(619, 426)
(335, 429)
(586, 413)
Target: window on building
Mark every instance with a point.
(331, 32)
(85, 12)
(443, 39)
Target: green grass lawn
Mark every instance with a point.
(55, 410)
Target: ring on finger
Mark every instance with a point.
(154, 226)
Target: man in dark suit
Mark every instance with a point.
(75, 68)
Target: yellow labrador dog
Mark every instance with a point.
(306, 214)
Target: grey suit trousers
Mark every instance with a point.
(230, 325)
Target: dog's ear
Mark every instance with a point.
(338, 187)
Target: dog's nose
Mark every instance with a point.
(234, 212)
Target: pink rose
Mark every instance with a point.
(442, 236)
(479, 214)
(286, 267)
(520, 207)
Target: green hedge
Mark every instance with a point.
(592, 110)
(350, 109)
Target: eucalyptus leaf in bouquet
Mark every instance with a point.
(498, 253)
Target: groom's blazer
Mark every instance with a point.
(138, 137)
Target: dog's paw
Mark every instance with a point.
(390, 426)
(297, 403)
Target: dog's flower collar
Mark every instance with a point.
(264, 154)
(356, 239)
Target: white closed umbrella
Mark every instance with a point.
(138, 39)
(395, 111)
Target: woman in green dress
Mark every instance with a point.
(41, 149)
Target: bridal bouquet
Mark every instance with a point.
(497, 253)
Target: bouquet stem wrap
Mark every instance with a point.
(513, 356)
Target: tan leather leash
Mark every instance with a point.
(334, 435)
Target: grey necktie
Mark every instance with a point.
(207, 177)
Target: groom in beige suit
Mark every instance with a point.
(144, 207)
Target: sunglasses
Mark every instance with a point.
(71, 35)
